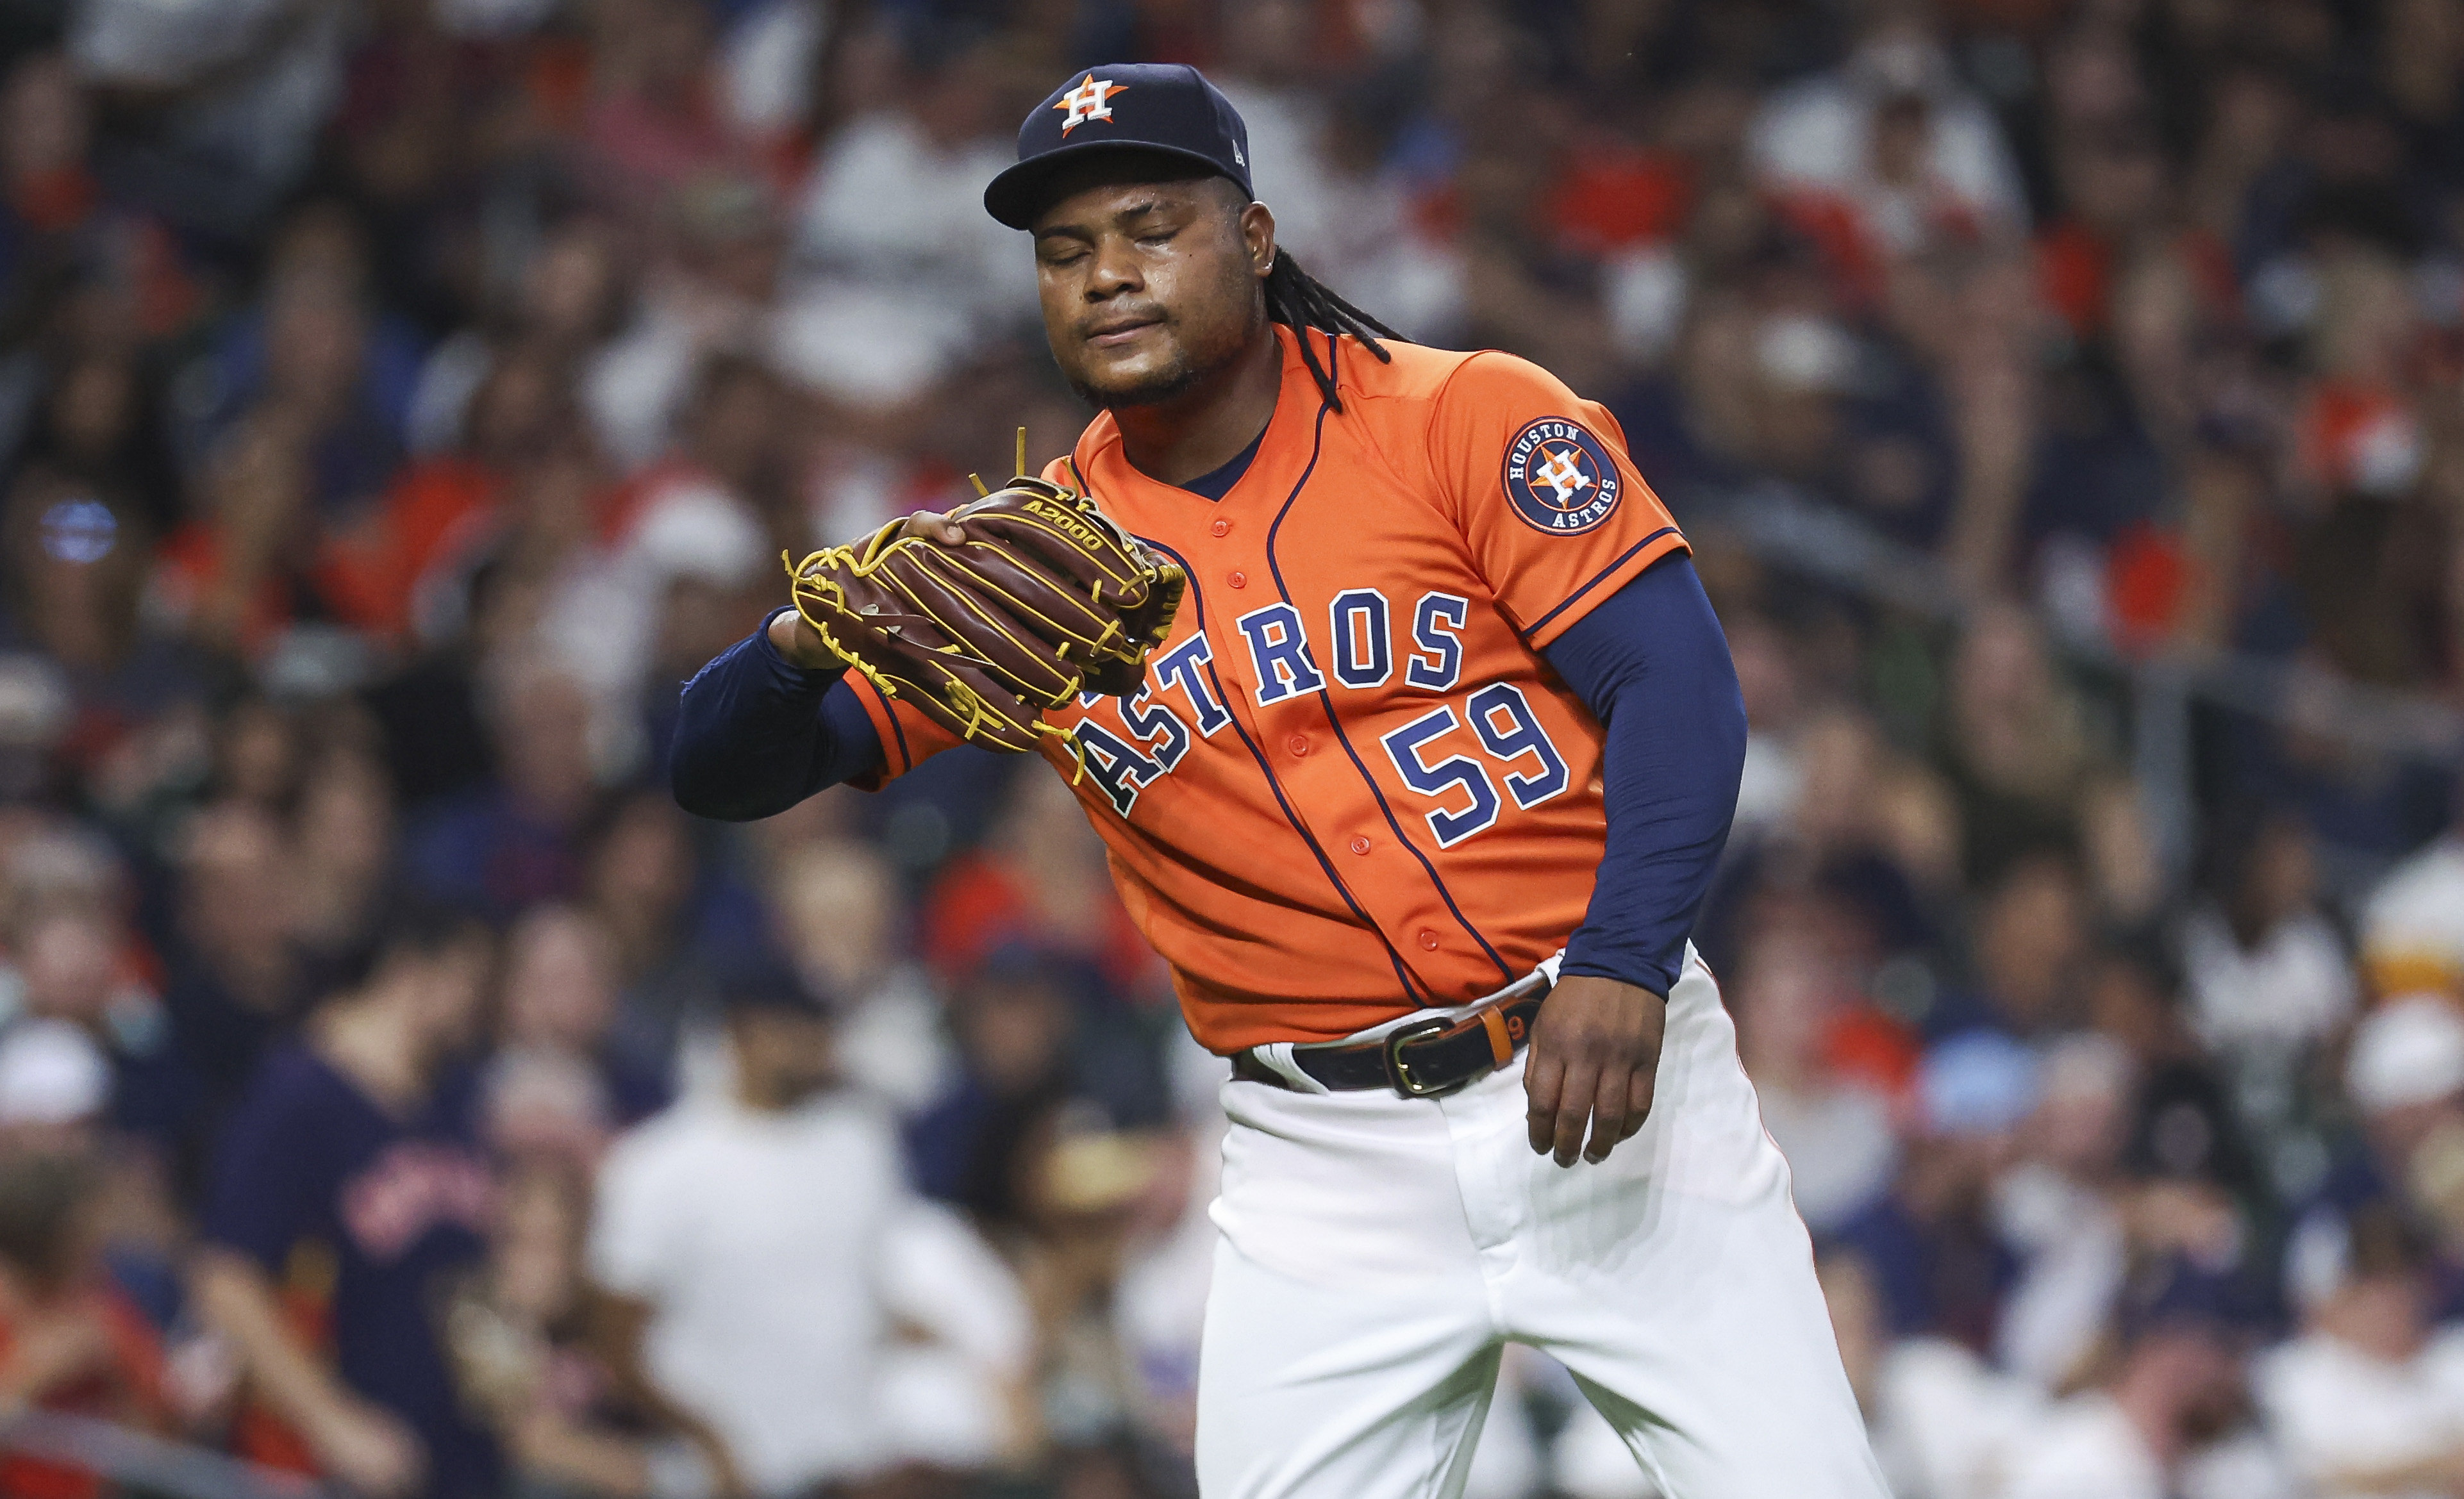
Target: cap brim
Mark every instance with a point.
(1017, 195)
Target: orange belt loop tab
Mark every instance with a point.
(1500, 1045)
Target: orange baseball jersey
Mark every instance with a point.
(1351, 786)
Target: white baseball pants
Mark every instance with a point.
(1377, 1251)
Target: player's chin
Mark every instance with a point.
(1141, 381)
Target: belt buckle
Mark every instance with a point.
(1398, 1072)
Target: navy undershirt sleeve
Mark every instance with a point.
(756, 734)
(1653, 666)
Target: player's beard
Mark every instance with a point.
(1186, 373)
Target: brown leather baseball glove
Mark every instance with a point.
(1045, 598)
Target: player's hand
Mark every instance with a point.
(1595, 1057)
(933, 526)
(801, 644)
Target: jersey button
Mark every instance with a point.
(1221, 527)
(1299, 744)
(1360, 845)
(1239, 580)
(1428, 939)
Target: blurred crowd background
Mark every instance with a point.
(400, 398)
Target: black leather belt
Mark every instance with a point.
(1421, 1059)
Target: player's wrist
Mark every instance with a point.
(1569, 974)
(800, 645)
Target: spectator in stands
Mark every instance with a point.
(344, 849)
(2030, 949)
(1936, 1255)
(314, 347)
(1945, 1424)
(79, 995)
(892, 239)
(2405, 1076)
(69, 1339)
(2266, 970)
(761, 1249)
(1819, 134)
(2413, 929)
(2369, 1399)
(520, 1332)
(2167, 1421)
(711, 295)
(517, 841)
(237, 97)
(1040, 881)
(1835, 1128)
(355, 1149)
(675, 919)
(237, 979)
(714, 510)
(838, 903)
(2018, 753)
(2189, 1126)
(1030, 1041)
(557, 1081)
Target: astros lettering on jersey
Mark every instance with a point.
(1351, 785)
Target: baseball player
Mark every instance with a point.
(1419, 800)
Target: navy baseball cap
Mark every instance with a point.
(1165, 107)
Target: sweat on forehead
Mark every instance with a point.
(1126, 169)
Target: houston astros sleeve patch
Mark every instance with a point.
(1538, 480)
(1560, 478)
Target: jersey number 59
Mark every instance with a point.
(1501, 720)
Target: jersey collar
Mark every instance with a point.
(1284, 455)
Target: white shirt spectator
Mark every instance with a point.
(2074, 1255)
(602, 617)
(1288, 163)
(50, 1073)
(2338, 1411)
(769, 65)
(885, 202)
(2413, 927)
(895, 1038)
(1817, 133)
(2296, 986)
(777, 1252)
(1944, 1424)
(2087, 1449)
(900, 268)
(1355, 232)
(259, 77)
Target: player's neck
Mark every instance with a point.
(1209, 425)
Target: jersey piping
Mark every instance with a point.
(1576, 597)
(1411, 992)
(1326, 695)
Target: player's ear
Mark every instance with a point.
(1258, 235)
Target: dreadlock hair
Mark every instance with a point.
(1300, 301)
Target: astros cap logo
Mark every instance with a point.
(1560, 478)
(1089, 100)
